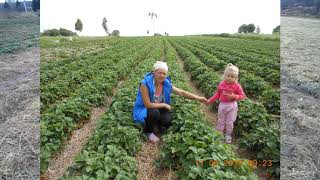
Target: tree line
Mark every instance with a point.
(251, 28)
(79, 27)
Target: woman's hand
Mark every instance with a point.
(167, 106)
(207, 102)
(202, 99)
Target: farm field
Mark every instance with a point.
(19, 96)
(80, 76)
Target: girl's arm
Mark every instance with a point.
(215, 97)
(240, 94)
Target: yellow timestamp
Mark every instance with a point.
(253, 163)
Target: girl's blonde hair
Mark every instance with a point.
(233, 69)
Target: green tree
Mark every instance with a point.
(78, 25)
(276, 29)
(251, 28)
(115, 33)
(51, 32)
(246, 28)
(105, 26)
(243, 29)
(65, 32)
(35, 5)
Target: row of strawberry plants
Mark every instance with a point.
(257, 59)
(57, 69)
(268, 69)
(191, 140)
(58, 122)
(254, 86)
(51, 51)
(252, 116)
(60, 54)
(233, 49)
(63, 87)
(262, 62)
(264, 71)
(54, 64)
(47, 42)
(217, 64)
(254, 47)
(109, 153)
(265, 67)
(257, 44)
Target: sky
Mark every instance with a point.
(176, 17)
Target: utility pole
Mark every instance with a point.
(153, 14)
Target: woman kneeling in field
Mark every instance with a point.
(152, 106)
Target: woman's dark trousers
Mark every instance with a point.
(157, 120)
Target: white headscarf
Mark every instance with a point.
(160, 65)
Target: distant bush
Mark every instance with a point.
(115, 33)
(51, 32)
(224, 35)
(266, 37)
(65, 32)
(60, 32)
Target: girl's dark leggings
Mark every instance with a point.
(157, 117)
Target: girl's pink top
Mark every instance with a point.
(229, 88)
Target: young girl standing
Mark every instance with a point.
(228, 92)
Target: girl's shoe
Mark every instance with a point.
(153, 138)
(228, 138)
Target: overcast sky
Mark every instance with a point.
(175, 17)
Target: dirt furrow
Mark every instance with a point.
(145, 161)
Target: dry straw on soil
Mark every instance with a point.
(300, 104)
(19, 115)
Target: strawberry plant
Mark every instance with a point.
(271, 100)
